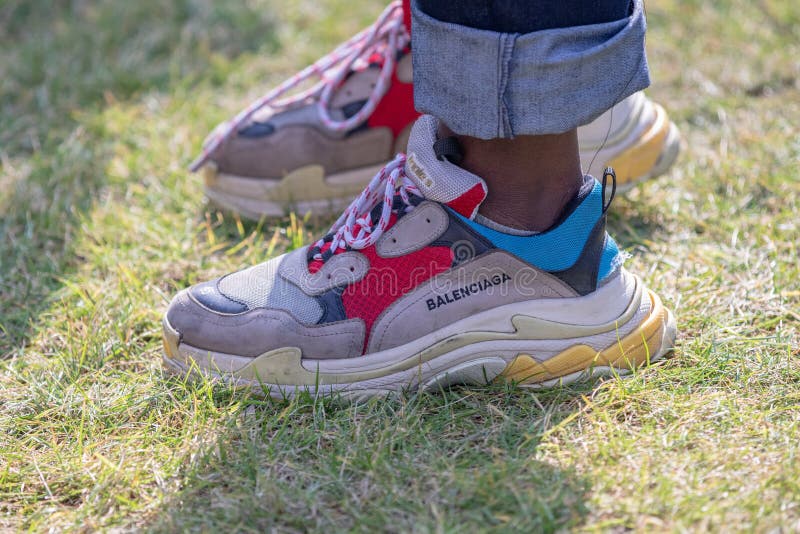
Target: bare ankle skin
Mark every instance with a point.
(530, 178)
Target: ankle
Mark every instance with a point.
(530, 178)
(530, 211)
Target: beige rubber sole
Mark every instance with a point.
(650, 156)
(526, 357)
(301, 191)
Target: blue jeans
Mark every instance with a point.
(492, 69)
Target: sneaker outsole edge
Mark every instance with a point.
(472, 364)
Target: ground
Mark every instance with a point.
(102, 106)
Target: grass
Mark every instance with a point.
(102, 105)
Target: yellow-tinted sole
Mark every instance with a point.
(638, 348)
(652, 155)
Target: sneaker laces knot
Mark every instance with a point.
(385, 38)
(357, 228)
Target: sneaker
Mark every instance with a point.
(318, 149)
(409, 291)
(635, 138)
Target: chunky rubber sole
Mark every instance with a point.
(649, 156)
(301, 191)
(515, 345)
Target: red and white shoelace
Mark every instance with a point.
(355, 228)
(385, 37)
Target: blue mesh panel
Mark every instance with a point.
(559, 248)
(610, 260)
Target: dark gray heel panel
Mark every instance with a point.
(582, 276)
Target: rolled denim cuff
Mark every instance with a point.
(487, 84)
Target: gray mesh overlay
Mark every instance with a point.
(261, 287)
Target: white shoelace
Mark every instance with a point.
(355, 228)
(385, 37)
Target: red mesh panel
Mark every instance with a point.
(467, 203)
(396, 108)
(388, 279)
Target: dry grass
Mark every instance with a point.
(102, 105)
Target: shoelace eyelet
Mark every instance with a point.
(355, 229)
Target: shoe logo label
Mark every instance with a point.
(418, 171)
(464, 292)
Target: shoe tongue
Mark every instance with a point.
(440, 180)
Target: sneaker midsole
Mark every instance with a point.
(304, 189)
(512, 339)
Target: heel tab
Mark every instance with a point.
(608, 173)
